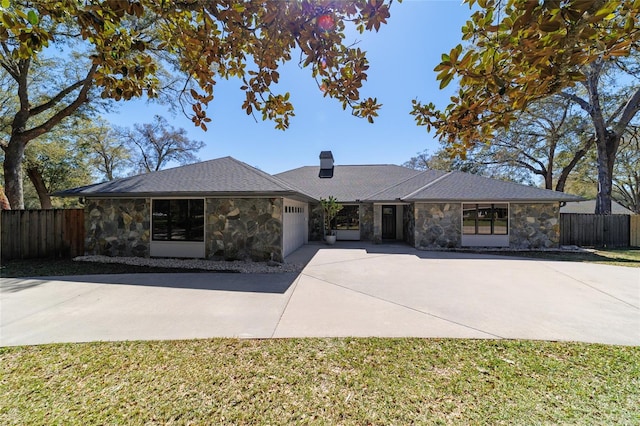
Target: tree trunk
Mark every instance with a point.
(38, 182)
(607, 150)
(13, 155)
(548, 180)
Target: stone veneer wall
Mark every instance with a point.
(366, 222)
(377, 224)
(117, 227)
(437, 225)
(409, 224)
(533, 226)
(316, 223)
(244, 228)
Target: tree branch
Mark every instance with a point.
(630, 109)
(583, 104)
(65, 112)
(57, 98)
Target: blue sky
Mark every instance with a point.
(402, 57)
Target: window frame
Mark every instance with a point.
(492, 218)
(191, 221)
(351, 227)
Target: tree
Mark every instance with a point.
(107, 150)
(546, 140)
(330, 208)
(443, 160)
(626, 183)
(524, 51)
(156, 144)
(123, 45)
(53, 162)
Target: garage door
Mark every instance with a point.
(294, 226)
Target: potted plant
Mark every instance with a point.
(330, 208)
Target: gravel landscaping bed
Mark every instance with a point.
(199, 264)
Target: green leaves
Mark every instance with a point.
(522, 52)
(32, 17)
(206, 41)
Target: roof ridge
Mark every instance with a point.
(272, 178)
(433, 182)
(396, 184)
(260, 172)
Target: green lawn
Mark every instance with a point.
(616, 257)
(57, 267)
(320, 381)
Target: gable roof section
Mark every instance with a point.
(223, 176)
(349, 183)
(459, 186)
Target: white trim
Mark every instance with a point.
(186, 249)
(484, 240)
(348, 234)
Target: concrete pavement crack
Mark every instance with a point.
(286, 305)
(592, 287)
(405, 306)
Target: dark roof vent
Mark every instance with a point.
(326, 165)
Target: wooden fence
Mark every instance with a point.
(41, 233)
(634, 230)
(592, 230)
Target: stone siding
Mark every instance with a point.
(377, 224)
(408, 224)
(366, 222)
(117, 227)
(437, 225)
(244, 228)
(534, 226)
(316, 223)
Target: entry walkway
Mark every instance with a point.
(347, 290)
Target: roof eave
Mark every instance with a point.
(203, 194)
(493, 200)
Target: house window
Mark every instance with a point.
(348, 219)
(485, 219)
(178, 220)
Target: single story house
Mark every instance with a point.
(226, 209)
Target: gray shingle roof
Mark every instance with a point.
(407, 186)
(223, 176)
(349, 183)
(459, 186)
(381, 183)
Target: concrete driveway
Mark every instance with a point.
(346, 290)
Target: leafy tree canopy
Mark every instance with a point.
(153, 146)
(522, 51)
(205, 40)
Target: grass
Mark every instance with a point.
(615, 257)
(320, 381)
(57, 267)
